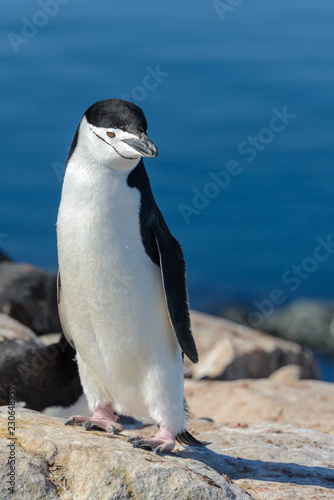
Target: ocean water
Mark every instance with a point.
(240, 102)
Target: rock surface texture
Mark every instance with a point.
(43, 376)
(303, 403)
(29, 295)
(228, 351)
(266, 461)
(13, 331)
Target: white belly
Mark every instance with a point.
(114, 300)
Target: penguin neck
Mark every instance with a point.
(83, 169)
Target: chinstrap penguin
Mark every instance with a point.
(122, 293)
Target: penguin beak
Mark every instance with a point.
(143, 145)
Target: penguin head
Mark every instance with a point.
(114, 132)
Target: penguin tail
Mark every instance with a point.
(185, 437)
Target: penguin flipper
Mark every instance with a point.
(173, 272)
(62, 313)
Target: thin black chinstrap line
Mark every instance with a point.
(125, 157)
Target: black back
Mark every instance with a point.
(166, 252)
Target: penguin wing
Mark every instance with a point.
(173, 272)
(62, 313)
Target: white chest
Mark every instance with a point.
(113, 294)
(102, 260)
(98, 222)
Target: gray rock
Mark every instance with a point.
(43, 375)
(16, 344)
(274, 462)
(84, 465)
(16, 333)
(261, 462)
(228, 351)
(306, 322)
(29, 295)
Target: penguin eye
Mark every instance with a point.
(110, 134)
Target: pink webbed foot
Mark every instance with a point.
(163, 442)
(103, 419)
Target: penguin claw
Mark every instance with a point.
(106, 422)
(164, 448)
(142, 444)
(87, 425)
(70, 421)
(132, 439)
(159, 446)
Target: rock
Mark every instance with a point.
(13, 332)
(267, 461)
(43, 376)
(288, 373)
(72, 463)
(275, 462)
(29, 295)
(228, 351)
(304, 403)
(50, 338)
(16, 343)
(307, 322)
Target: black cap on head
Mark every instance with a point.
(116, 113)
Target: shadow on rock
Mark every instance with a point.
(241, 468)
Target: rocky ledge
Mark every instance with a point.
(229, 351)
(260, 461)
(301, 403)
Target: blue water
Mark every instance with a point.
(218, 82)
(326, 367)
